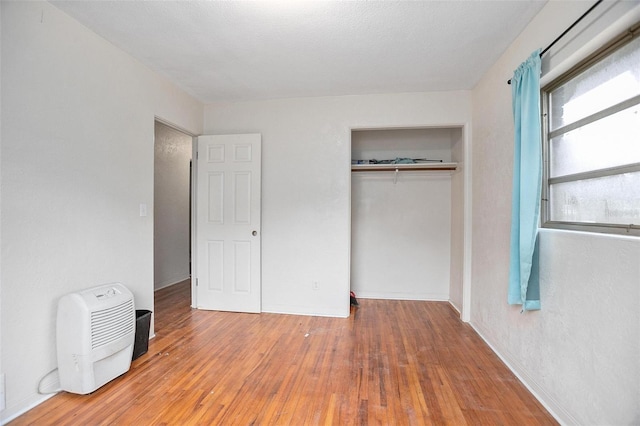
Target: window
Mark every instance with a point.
(591, 122)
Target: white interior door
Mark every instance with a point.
(228, 222)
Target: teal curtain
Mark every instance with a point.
(524, 286)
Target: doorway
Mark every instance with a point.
(171, 206)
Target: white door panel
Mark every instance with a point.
(228, 222)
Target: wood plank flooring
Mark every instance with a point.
(389, 363)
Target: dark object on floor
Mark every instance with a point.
(354, 301)
(143, 324)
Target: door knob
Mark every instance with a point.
(254, 233)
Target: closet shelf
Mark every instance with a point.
(398, 167)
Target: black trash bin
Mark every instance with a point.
(143, 324)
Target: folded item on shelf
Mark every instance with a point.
(397, 160)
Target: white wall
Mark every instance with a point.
(457, 267)
(77, 162)
(579, 354)
(171, 206)
(401, 235)
(2, 400)
(306, 184)
(430, 143)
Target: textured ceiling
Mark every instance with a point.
(249, 50)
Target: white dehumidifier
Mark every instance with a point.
(95, 337)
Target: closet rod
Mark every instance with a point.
(566, 31)
(394, 169)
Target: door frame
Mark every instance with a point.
(191, 199)
(194, 206)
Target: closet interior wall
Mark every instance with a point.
(402, 222)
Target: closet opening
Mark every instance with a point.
(407, 214)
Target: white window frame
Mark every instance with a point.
(622, 229)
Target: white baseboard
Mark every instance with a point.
(10, 416)
(169, 283)
(547, 401)
(428, 297)
(455, 308)
(303, 310)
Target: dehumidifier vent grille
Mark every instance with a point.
(111, 324)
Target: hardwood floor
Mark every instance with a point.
(390, 363)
